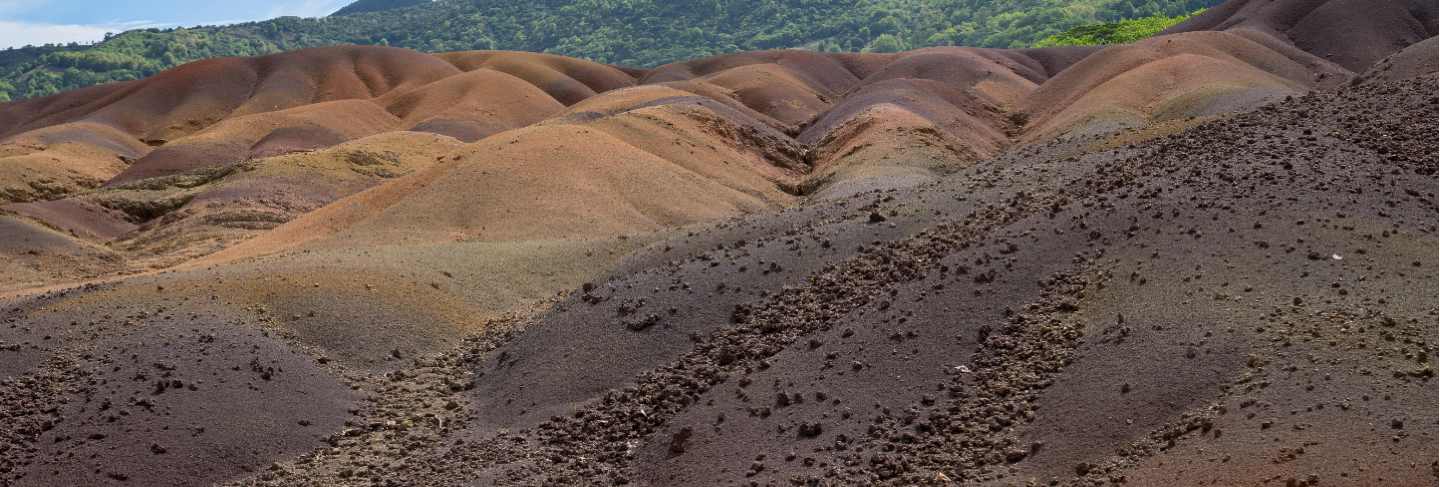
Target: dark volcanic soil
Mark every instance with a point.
(1241, 303)
(1170, 311)
(780, 268)
(1244, 302)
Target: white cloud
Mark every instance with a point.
(17, 34)
(308, 8)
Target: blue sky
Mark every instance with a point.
(40, 21)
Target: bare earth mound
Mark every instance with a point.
(1206, 258)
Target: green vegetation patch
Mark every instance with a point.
(1122, 32)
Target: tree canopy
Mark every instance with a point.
(1122, 32)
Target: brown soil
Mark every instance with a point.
(1203, 259)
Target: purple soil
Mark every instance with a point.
(1245, 299)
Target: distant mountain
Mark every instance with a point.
(632, 32)
(362, 6)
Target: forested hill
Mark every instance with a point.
(626, 32)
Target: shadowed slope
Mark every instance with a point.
(1351, 33)
(183, 400)
(33, 255)
(1415, 61)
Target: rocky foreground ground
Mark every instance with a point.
(1207, 258)
(1245, 301)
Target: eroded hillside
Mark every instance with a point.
(1202, 258)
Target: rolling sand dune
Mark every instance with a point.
(1205, 258)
